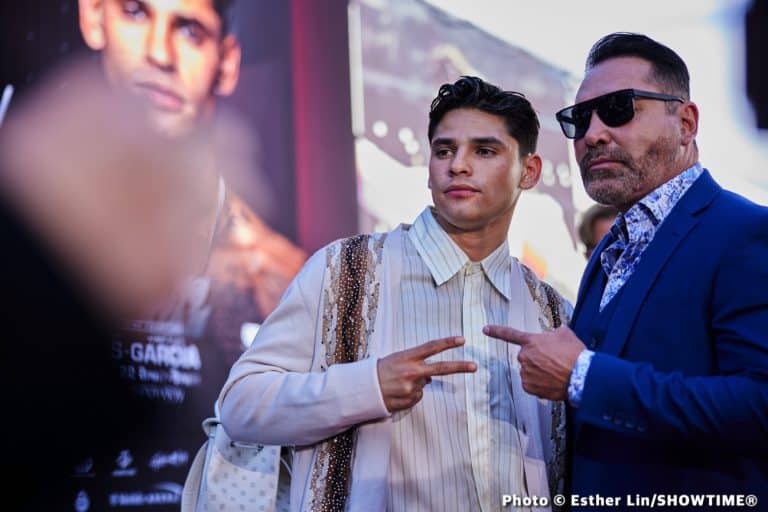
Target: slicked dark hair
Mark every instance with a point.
(472, 92)
(667, 68)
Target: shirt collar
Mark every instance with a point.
(444, 258)
(497, 267)
(643, 219)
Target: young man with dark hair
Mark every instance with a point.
(666, 366)
(374, 365)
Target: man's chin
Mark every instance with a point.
(607, 193)
(457, 221)
(170, 124)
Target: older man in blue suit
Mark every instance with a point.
(665, 366)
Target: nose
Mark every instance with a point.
(597, 131)
(460, 163)
(160, 52)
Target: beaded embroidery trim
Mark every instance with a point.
(350, 303)
(553, 313)
(549, 301)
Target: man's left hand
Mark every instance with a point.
(546, 359)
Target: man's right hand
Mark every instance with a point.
(402, 375)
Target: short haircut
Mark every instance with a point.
(226, 11)
(472, 92)
(667, 68)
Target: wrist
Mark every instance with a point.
(579, 377)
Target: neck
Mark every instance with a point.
(478, 242)
(690, 157)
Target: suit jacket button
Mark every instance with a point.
(607, 417)
(642, 428)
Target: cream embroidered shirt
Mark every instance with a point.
(470, 440)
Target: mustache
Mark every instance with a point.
(155, 78)
(615, 154)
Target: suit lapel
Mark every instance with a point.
(589, 275)
(680, 221)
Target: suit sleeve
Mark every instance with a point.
(731, 406)
(272, 396)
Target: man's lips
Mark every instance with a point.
(161, 97)
(461, 191)
(599, 164)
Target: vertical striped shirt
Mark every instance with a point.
(459, 448)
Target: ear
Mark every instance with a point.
(688, 113)
(91, 14)
(229, 66)
(531, 171)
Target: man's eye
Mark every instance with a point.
(192, 32)
(134, 10)
(442, 152)
(486, 151)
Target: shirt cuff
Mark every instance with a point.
(578, 377)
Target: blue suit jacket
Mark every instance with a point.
(676, 398)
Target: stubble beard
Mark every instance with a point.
(636, 177)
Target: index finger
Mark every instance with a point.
(450, 367)
(507, 334)
(433, 347)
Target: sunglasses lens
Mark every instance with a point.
(567, 122)
(616, 109)
(581, 118)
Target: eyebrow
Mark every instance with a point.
(487, 141)
(478, 141)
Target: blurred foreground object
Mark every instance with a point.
(125, 209)
(101, 221)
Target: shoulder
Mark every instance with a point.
(373, 244)
(735, 232)
(737, 218)
(745, 209)
(240, 229)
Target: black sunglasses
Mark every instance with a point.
(614, 109)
